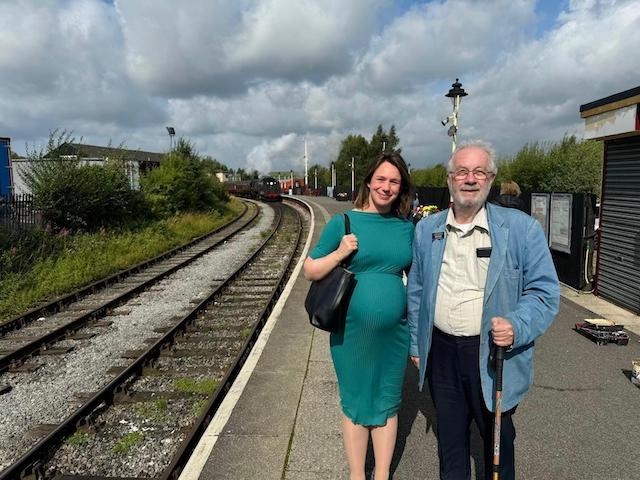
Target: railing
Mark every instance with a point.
(18, 211)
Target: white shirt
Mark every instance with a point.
(463, 276)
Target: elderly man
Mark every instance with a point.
(481, 275)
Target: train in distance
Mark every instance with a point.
(266, 189)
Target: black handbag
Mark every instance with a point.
(328, 299)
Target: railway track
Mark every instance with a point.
(38, 330)
(146, 420)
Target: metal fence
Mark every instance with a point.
(18, 211)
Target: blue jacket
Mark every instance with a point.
(522, 286)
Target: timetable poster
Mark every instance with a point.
(560, 222)
(540, 210)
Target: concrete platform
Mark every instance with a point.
(281, 419)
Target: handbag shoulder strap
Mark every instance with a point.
(347, 231)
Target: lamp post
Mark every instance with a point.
(455, 94)
(353, 179)
(334, 178)
(171, 131)
(315, 180)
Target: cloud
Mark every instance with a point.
(536, 93)
(222, 48)
(246, 81)
(440, 40)
(56, 70)
(261, 157)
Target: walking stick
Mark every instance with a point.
(497, 423)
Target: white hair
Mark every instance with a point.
(482, 145)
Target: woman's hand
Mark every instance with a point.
(316, 269)
(348, 245)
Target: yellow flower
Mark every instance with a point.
(422, 211)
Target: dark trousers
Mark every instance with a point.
(454, 382)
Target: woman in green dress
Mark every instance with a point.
(370, 353)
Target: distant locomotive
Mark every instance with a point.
(265, 189)
(269, 189)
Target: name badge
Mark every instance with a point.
(484, 252)
(437, 235)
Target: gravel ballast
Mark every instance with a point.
(51, 393)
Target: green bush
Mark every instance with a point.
(182, 184)
(570, 165)
(73, 195)
(86, 197)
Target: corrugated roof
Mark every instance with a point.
(93, 151)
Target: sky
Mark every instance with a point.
(247, 81)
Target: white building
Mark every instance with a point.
(136, 162)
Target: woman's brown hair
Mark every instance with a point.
(402, 204)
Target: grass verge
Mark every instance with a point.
(89, 257)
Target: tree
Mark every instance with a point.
(71, 194)
(383, 141)
(575, 166)
(324, 176)
(566, 166)
(363, 153)
(430, 177)
(185, 148)
(182, 184)
(353, 147)
(242, 174)
(214, 165)
(526, 167)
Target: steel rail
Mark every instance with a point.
(189, 444)
(34, 347)
(29, 465)
(56, 305)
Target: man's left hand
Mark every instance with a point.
(502, 332)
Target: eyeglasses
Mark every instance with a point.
(477, 173)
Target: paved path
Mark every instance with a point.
(580, 421)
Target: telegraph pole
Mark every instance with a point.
(306, 165)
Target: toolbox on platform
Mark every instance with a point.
(602, 331)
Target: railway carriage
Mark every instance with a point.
(239, 189)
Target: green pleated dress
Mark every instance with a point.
(370, 354)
